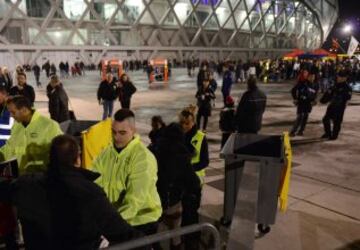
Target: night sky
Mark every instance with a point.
(348, 13)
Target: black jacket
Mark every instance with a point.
(304, 95)
(175, 174)
(58, 103)
(64, 210)
(226, 122)
(6, 81)
(126, 91)
(107, 91)
(27, 91)
(204, 98)
(337, 97)
(36, 69)
(250, 110)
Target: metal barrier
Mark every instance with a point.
(170, 234)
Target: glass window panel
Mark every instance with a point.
(250, 4)
(37, 8)
(212, 24)
(230, 24)
(4, 8)
(202, 15)
(133, 9)
(171, 20)
(58, 36)
(74, 9)
(223, 13)
(240, 14)
(182, 11)
(147, 18)
(191, 21)
(159, 9)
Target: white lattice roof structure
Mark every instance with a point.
(90, 29)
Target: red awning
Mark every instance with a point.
(295, 53)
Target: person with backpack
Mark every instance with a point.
(304, 96)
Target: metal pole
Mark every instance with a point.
(148, 240)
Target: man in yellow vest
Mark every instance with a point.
(198, 146)
(129, 175)
(30, 138)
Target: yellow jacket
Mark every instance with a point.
(30, 145)
(129, 181)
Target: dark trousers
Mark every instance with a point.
(300, 122)
(37, 79)
(108, 107)
(125, 104)
(198, 121)
(335, 117)
(149, 229)
(190, 205)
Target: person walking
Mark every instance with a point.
(227, 82)
(204, 97)
(126, 89)
(106, 95)
(22, 88)
(36, 69)
(46, 66)
(250, 110)
(304, 97)
(337, 97)
(58, 100)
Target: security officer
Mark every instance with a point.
(30, 137)
(337, 97)
(197, 144)
(129, 175)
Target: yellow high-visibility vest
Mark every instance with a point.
(197, 141)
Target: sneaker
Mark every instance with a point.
(325, 136)
(333, 138)
(300, 134)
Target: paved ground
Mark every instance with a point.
(324, 208)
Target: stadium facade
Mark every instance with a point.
(88, 30)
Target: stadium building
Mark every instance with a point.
(88, 30)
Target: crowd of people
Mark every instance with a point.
(132, 189)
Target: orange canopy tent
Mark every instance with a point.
(294, 53)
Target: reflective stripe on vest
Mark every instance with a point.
(196, 141)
